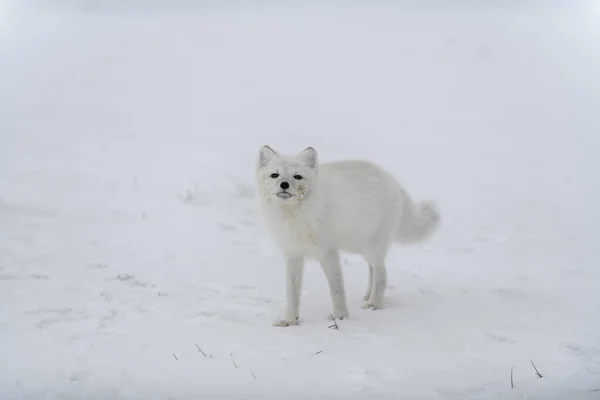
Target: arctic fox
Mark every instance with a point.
(315, 211)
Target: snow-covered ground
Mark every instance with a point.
(128, 230)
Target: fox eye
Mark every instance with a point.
(298, 177)
(274, 175)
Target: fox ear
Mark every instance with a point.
(267, 154)
(310, 158)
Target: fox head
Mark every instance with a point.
(286, 180)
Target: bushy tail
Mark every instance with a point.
(418, 221)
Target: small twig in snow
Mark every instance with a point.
(200, 350)
(232, 360)
(318, 352)
(335, 325)
(512, 385)
(536, 370)
(254, 376)
(175, 356)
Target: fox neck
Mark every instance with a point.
(297, 226)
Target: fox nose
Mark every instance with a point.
(284, 185)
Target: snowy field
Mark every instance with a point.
(129, 238)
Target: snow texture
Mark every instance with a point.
(132, 261)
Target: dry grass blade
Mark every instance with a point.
(200, 350)
(536, 370)
(334, 325)
(512, 384)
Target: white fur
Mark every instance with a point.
(352, 206)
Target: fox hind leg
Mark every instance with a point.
(369, 284)
(377, 283)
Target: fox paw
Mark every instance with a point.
(339, 315)
(372, 306)
(286, 322)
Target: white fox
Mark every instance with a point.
(315, 211)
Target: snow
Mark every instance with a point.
(128, 225)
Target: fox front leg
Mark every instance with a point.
(294, 273)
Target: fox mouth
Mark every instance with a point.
(284, 195)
